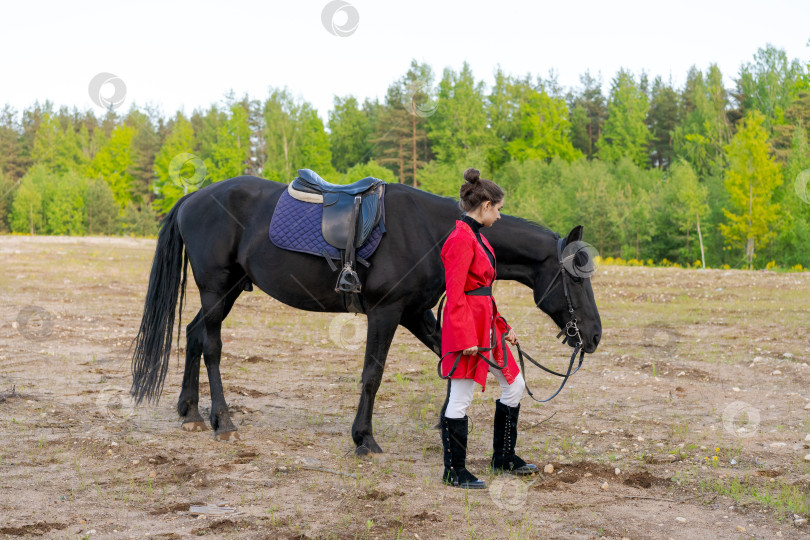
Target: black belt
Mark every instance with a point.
(480, 291)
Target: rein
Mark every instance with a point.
(571, 330)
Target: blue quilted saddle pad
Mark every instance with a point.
(296, 226)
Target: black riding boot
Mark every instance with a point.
(504, 439)
(454, 443)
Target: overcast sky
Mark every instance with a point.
(185, 55)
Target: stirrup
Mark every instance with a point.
(348, 280)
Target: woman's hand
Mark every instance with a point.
(469, 350)
(511, 337)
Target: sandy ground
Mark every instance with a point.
(689, 421)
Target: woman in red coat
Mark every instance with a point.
(469, 321)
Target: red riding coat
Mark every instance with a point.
(467, 319)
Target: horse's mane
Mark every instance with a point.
(455, 201)
(534, 224)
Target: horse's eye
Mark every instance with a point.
(576, 279)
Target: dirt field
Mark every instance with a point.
(690, 421)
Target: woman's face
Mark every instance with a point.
(490, 212)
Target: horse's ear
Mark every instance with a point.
(575, 235)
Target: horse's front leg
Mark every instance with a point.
(382, 325)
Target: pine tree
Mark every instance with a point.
(144, 147)
(7, 190)
(399, 140)
(704, 129)
(751, 179)
(12, 159)
(101, 210)
(662, 119)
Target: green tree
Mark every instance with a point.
(459, 123)
(171, 183)
(503, 107)
(26, 210)
(793, 196)
(56, 146)
(662, 119)
(7, 189)
(363, 170)
(295, 138)
(544, 129)
(751, 179)
(634, 206)
(704, 129)
(101, 209)
(399, 139)
(349, 132)
(588, 114)
(769, 84)
(112, 164)
(229, 155)
(626, 132)
(144, 147)
(138, 220)
(64, 204)
(12, 159)
(681, 203)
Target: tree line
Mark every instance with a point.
(700, 172)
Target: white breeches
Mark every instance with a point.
(461, 393)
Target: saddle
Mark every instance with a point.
(350, 213)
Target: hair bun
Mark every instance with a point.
(472, 175)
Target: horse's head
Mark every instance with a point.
(569, 267)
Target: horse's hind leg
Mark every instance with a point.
(187, 404)
(213, 308)
(197, 338)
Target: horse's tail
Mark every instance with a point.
(153, 344)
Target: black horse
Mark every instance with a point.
(224, 230)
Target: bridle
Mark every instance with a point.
(570, 330)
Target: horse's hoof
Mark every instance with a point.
(194, 426)
(228, 436)
(364, 449)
